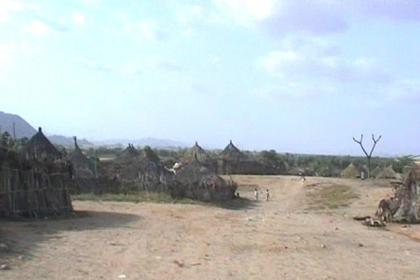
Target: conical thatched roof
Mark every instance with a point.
(77, 157)
(147, 153)
(196, 153)
(231, 152)
(375, 172)
(81, 163)
(128, 154)
(350, 171)
(196, 181)
(135, 165)
(39, 147)
(388, 173)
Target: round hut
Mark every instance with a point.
(231, 153)
(40, 148)
(196, 181)
(375, 172)
(388, 173)
(82, 166)
(32, 188)
(350, 171)
(196, 152)
(230, 160)
(141, 170)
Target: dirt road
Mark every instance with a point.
(278, 239)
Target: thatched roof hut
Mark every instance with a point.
(40, 148)
(388, 173)
(375, 172)
(142, 170)
(231, 153)
(350, 171)
(82, 166)
(196, 181)
(32, 188)
(196, 152)
(129, 153)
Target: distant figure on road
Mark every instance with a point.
(256, 193)
(267, 195)
(302, 176)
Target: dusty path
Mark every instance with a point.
(278, 239)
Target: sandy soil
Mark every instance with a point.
(278, 239)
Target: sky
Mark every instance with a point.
(294, 76)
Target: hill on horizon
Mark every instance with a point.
(22, 127)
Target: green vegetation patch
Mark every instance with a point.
(133, 197)
(330, 197)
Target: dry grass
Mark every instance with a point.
(330, 197)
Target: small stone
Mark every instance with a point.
(122, 276)
(361, 245)
(323, 246)
(4, 267)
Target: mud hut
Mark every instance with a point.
(32, 188)
(40, 148)
(408, 197)
(197, 182)
(350, 171)
(82, 166)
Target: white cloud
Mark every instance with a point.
(147, 29)
(294, 90)
(247, 11)
(8, 7)
(38, 28)
(404, 89)
(319, 60)
(313, 16)
(78, 18)
(190, 14)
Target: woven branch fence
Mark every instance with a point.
(32, 193)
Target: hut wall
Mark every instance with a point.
(31, 193)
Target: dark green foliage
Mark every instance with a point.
(401, 162)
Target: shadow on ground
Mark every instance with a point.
(237, 204)
(20, 237)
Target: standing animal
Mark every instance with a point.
(386, 209)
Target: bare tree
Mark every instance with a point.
(368, 155)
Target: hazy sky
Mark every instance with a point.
(296, 76)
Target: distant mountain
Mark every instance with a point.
(68, 142)
(152, 142)
(22, 127)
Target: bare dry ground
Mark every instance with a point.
(305, 231)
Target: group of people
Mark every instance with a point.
(257, 194)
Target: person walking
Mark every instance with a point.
(267, 195)
(256, 193)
